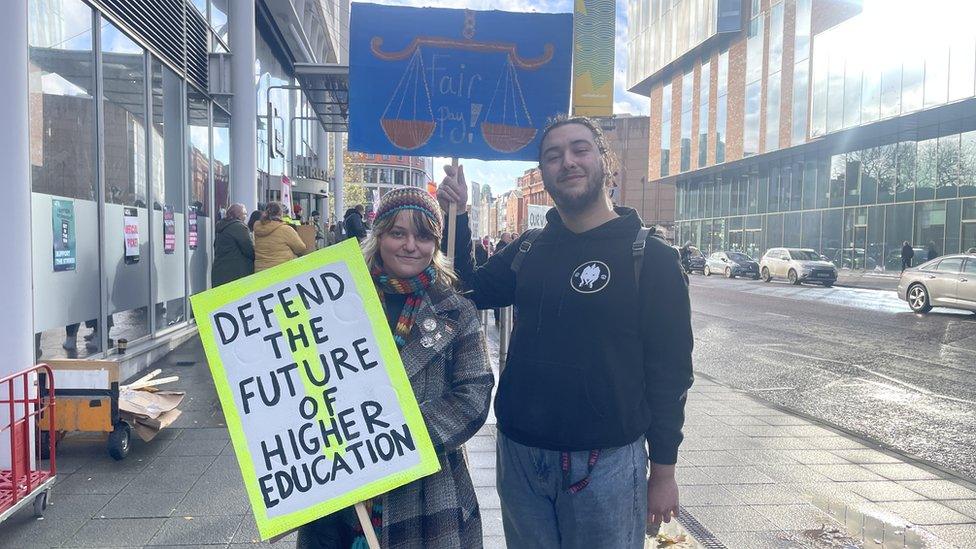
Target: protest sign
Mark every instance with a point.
(593, 37)
(537, 216)
(63, 227)
(320, 410)
(458, 83)
(130, 234)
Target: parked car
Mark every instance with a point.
(798, 265)
(693, 260)
(948, 281)
(731, 264)
(854, 258)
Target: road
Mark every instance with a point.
(855, 358)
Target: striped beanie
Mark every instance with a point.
(410, 198)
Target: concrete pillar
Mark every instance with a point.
(244, 112)
(322, 157)
(340, 206)
(17, 324)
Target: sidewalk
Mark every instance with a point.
(871, 280)
(751, 476)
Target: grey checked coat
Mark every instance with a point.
(447, 362)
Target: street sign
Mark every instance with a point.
(319, 407)
(471, 84)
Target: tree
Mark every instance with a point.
(353, 180)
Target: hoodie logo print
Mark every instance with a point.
(590, 277)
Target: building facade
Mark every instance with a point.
(133, 149)
(845, 127)
(382, 173)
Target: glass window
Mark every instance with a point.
(852, 179)
(962, 66)
(898, 229)
(936, 74)
(721, 106)
(126, 255)
(871, 95)
(687, 103)
(706, 77)
(970, 267)
(774, 230)
(913, 70)
(835, 93)
(772, 112)
(870, 160)
(947, 178)
(906, 155)
(852, 93)
(818, 98)
(665, 129)
(809, 193)
(930, 218)
(218, 18)
(950, 265)
(801, 76)
(169, 210)
(810, 230)
(754, 51)
(763, 191)
(750, 143)
(926, 169)
(967, 164)
(796, 186)
(883, 169)
(792, 227)
(838, 175)
(952, 227)
(831, 231)
(775, 38)
(198, 189)
(64, 201)
(823, 182)
(221, 159)
(891, 90)
(801, 48)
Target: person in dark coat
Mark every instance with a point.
(255, 217)
(907, 254)
(233, 248)
(480, 253)
(932, 252)
(353, 221)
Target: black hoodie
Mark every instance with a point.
(591, 364)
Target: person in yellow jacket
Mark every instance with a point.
(275, 241)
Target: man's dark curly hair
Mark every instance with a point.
(608, 159)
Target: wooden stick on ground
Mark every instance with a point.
(151, 382)
(148, 376)
(367, 524)
(452, 220)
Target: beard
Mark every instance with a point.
(574, 201)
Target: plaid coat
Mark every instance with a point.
(446, 359)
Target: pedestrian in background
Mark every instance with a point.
(275, 241)
(907, 254)
(354, 224)
(599, 359)
(233, 248)
(443, 350)
(932, 252)
(504, 240)
(480, 253)
(255, 217)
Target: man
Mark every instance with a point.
(353, 222)
(504, 240)
(907, 254)
(233, 248)
(598, 359)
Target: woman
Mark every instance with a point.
(443, 351)
(275, 241)
(233, 249)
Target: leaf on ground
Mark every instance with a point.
(664, 540)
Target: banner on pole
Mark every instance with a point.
(593, 56)
(63, 227)
(537, 216)
(471, 84)
(319, 407)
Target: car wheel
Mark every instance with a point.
(794, 280)
(918, 299)
(728, 272)
(828, 284)
(707, 271)
(765, 275)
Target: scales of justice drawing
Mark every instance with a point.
(507, 76)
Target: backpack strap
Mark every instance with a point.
(638, 251)
(524, 246)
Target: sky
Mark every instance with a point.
(502, 175)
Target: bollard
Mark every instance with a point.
(504, 335)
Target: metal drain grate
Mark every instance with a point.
(702, 535)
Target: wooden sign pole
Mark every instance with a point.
(452, 220)
(367, 524)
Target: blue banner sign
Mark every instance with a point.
(450, 82)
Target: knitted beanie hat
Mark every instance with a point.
(410, 198)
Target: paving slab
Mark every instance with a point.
(198, 531)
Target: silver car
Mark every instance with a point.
(948, 281)
(731, 264)
(797, 265)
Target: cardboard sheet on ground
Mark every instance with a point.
(319, 407)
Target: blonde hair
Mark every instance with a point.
(425, 227)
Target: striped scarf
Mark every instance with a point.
(415, 287)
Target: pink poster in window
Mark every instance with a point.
(169, 230)
(192, 233)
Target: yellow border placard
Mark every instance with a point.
(206, 303)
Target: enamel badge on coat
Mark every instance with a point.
(590, 277)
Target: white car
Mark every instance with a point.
(798, 265)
